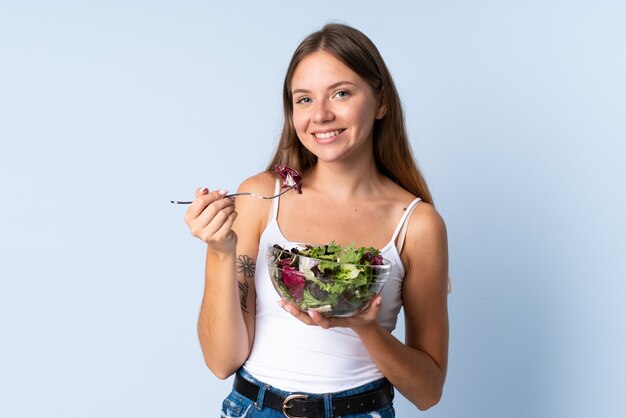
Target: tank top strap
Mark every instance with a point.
(400, 232)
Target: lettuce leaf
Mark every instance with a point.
(339, 278)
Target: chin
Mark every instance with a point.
(328, 157)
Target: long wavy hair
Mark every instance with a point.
(392, 150)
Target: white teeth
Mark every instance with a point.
(328, 134)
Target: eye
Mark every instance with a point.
(304, 100)
(342, 94)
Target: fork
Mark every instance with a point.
(178, 202)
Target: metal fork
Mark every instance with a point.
(178, 202)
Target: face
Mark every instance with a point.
(334, 109)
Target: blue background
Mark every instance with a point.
(516, 111)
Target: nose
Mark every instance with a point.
(322, 112)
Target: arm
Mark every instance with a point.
(226, 319)
(418, 367)
(223, 330)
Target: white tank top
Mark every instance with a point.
(290, 355)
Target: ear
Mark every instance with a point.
(381, 111)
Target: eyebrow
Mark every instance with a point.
(332, 86)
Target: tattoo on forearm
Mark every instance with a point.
(245, 266)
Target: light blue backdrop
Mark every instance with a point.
(108, 110)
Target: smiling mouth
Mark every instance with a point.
(326, 135)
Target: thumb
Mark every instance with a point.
(374, 307)
(201, 191)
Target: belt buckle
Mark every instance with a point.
(287, 406)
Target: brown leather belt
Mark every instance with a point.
(299, 405)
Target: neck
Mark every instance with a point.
(347, 180)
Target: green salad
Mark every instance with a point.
(331, 279)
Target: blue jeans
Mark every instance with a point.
(236, 405)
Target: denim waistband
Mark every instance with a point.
(326, 402)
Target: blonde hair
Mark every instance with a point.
(392, 150)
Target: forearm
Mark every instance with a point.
(221, 327)
(413, 372)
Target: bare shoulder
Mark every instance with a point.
(426, 242)
(253, 212)
(262, 183)
(425, 222)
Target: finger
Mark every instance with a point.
(320, 319)
(200, 191)
(205, 208)
(209, 223)
(225, 231)
(366, 316)
(201, 202)
(293, 310)
(214, 207)
(375, 305)
(190, 214)
(371, 310)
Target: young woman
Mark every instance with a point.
(344, 131)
